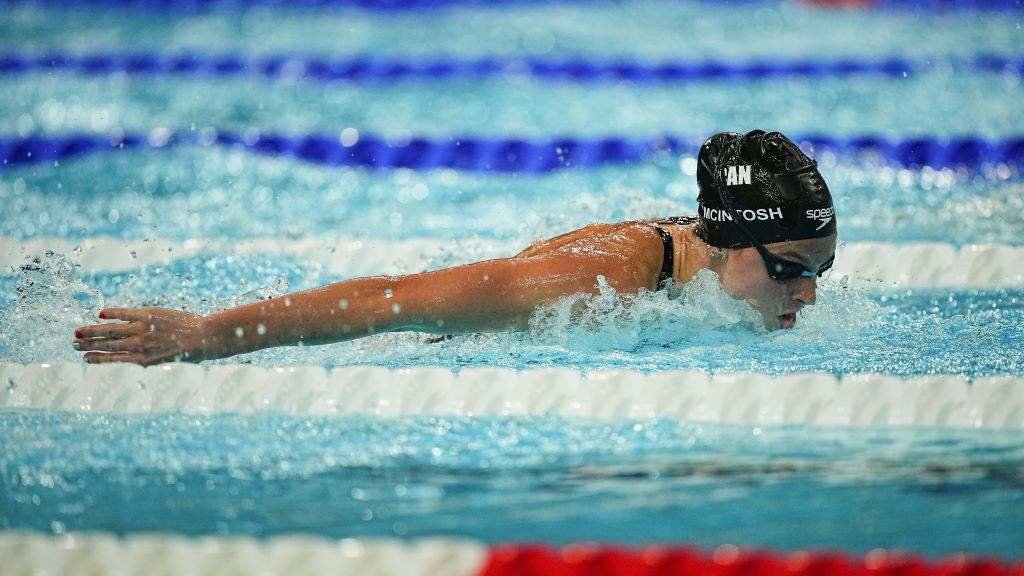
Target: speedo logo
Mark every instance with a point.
(736, 175)
(719, 215)
(823, 215)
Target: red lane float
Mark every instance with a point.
(533, 560)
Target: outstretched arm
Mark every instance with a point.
(485, 296)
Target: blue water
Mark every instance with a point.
(931, 491)
(64, 102)
(648, 30)
(229, 194)
(535, 479)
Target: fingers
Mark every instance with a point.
(101, 358)
(129, 344)
(111, 330)
(123, 314)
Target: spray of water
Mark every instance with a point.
(50, 302)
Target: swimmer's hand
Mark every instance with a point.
(147, 336)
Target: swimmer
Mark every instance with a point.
(765, 225)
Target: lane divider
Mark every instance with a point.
(75, 553)
(732, 398)
(871, 265)
(508, 155)
(369, 69)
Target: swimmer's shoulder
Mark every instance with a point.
(628, 233)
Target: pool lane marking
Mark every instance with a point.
(300, 555)
(377, 69)
(509, 155)
(860, 400)
(871, 265)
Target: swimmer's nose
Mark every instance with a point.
(805, 291)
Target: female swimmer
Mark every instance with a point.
(765, 225)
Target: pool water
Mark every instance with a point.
(128, 194)
(932, 491)
(515, 479)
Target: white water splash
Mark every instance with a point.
(612, 321)
(51, 302)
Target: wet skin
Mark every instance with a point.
(492, 295)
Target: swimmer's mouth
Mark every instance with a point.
(787, 320)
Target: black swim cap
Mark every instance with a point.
(766, 182)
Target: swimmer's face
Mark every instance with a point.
(745, 277)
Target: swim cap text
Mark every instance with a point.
(735, 175)
(823, 215)
(718, 215)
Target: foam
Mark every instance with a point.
(731, 398)
(869, 264)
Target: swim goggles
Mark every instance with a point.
(781, 269)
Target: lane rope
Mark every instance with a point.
(370, 69)
(509, 155)
(78, 552)
(731, 398)
(872, 265)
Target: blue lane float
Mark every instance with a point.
(511, 155)
(365, 69)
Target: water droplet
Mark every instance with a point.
(343, 304)
(396, 308)
(239, 332)
(388, 293)
(349, 137)
(261, 329)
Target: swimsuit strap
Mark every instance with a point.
(668, 260)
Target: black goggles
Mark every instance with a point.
(781, 269)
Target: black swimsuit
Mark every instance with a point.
(668, 259)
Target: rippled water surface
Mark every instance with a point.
(656, 29)
(989, 105)
(515, 479)
(193, 192)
